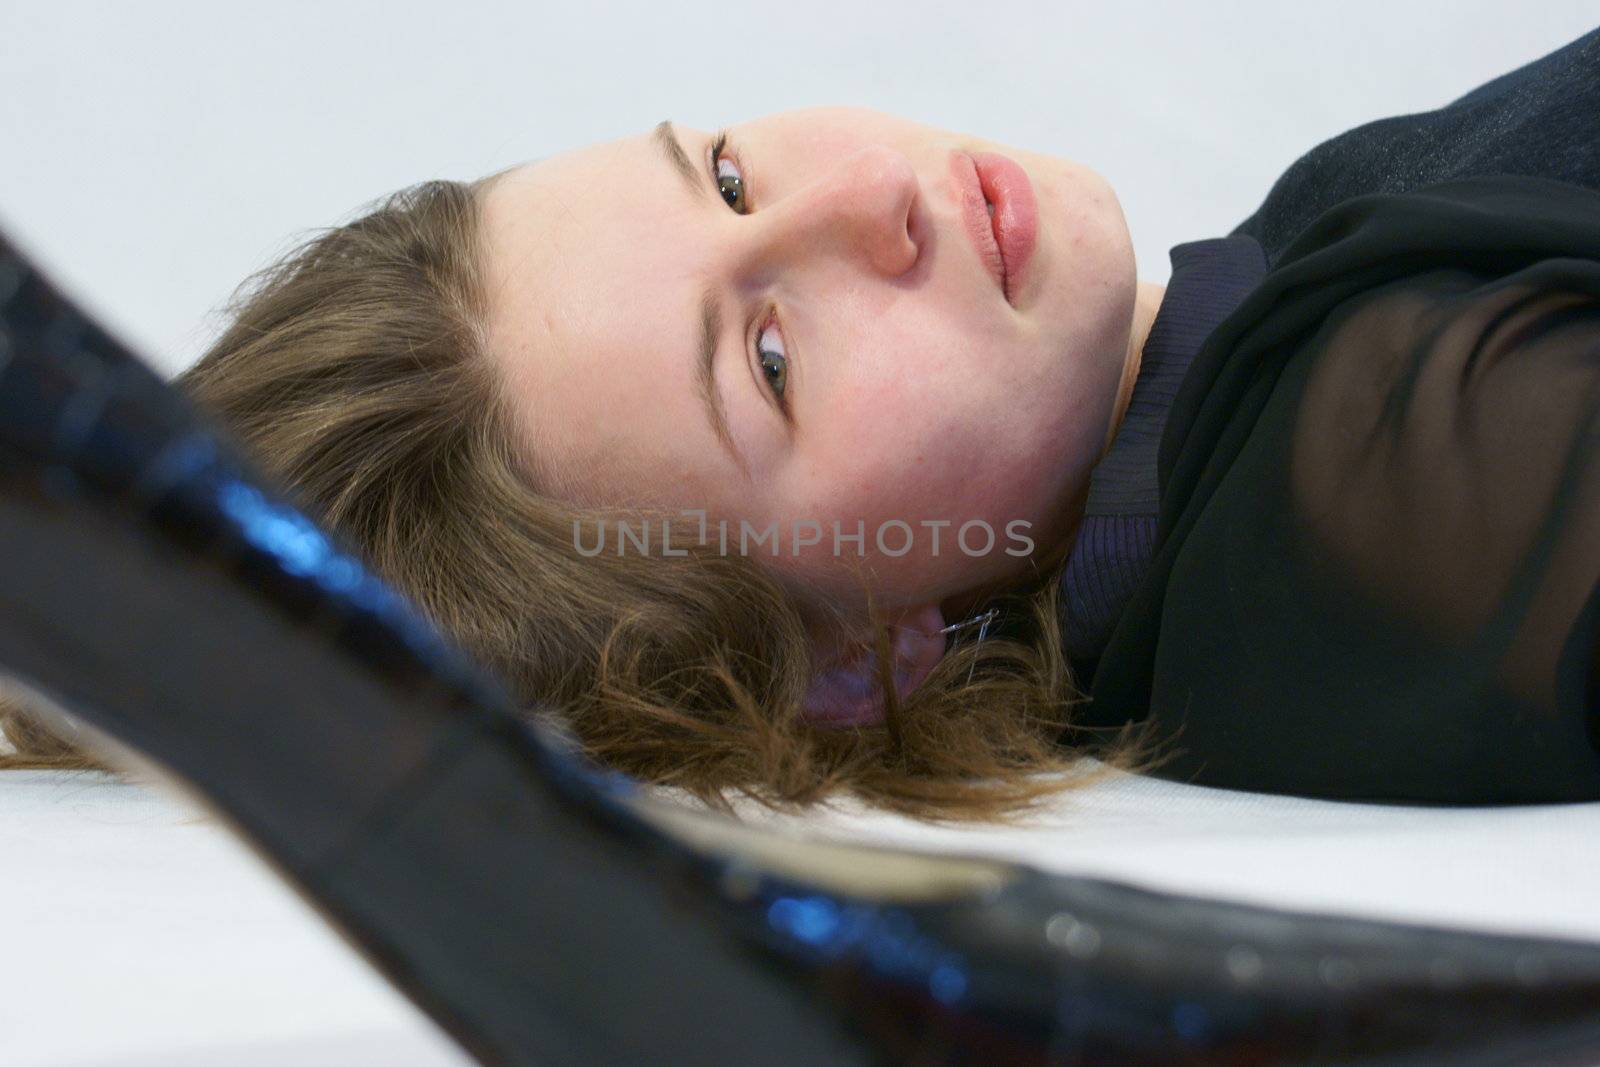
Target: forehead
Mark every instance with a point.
(591, 272)
(578, 230)
(538, 222)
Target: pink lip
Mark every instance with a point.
(975, 217)
(1016, 214)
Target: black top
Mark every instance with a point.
(1375, 560)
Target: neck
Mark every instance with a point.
(1145, 305)
(1147, 301)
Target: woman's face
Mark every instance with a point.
(828, 245)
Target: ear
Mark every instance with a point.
(844, 687)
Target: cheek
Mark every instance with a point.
(896, 454)
(957, 411)
(941, 432)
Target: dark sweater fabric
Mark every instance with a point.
(1116, 537)
(1539, 120)
(1373, 567)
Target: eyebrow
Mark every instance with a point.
(667, 140)
(710, 308)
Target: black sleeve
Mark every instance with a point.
(1392, 595)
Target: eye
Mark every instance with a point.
(728, 184)
(774, 365)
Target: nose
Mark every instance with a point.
(861, 208)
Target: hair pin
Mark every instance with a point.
(982, 621)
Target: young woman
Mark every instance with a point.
(1323, 508)
(474, 383)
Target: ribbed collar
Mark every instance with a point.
(1116, 539)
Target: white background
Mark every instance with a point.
(153, 154)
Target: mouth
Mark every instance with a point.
(977, 217)
(1014, 215)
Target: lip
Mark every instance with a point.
(1016, 214)
(975, 217)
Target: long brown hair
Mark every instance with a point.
(355, 372)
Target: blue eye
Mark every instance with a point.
(774, 364)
